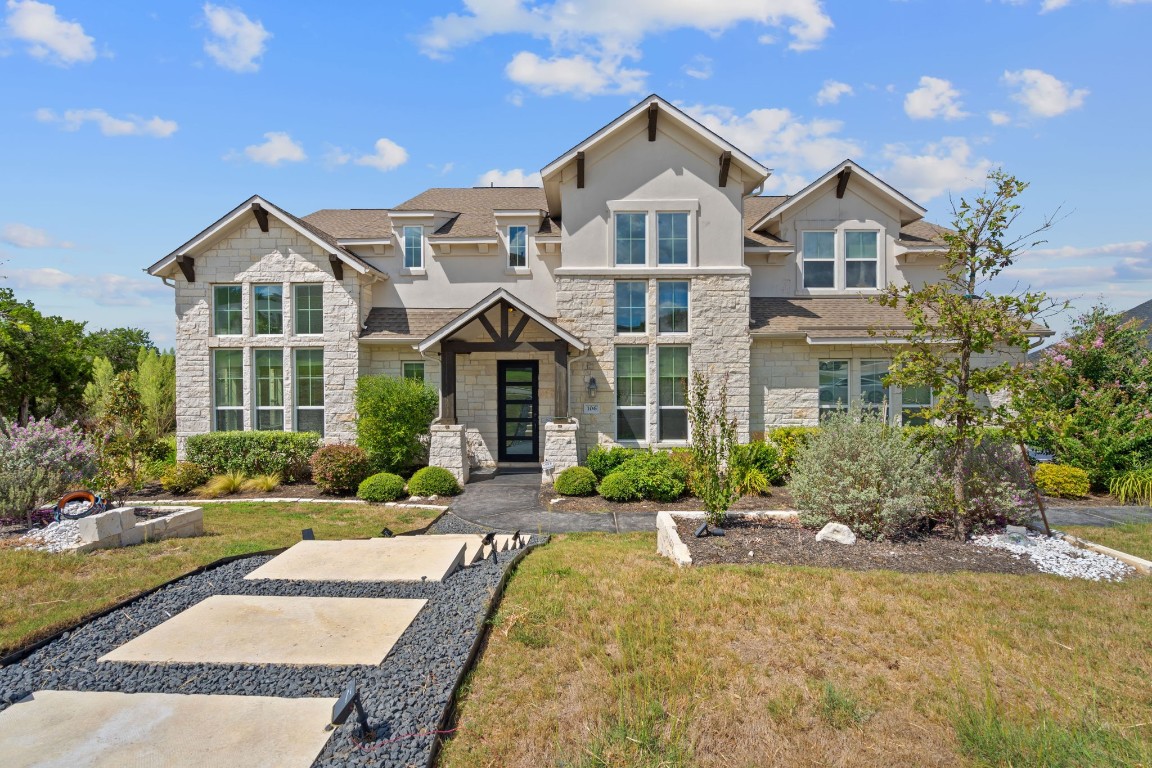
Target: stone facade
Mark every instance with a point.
(449, 449)
(560, 449)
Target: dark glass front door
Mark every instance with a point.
(517, 404)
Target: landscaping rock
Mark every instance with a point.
(837, 532)
(1053, 555)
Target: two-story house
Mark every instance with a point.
(553, 319)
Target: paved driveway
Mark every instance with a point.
(1102, 516)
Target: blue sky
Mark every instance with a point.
(130, 126)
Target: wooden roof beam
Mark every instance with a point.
(336, 264)
(842, 181)
(725, 164)
(187, 265)
(653, 111)
(261, 216)
(579, 170)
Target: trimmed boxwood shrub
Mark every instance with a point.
(1062, 481)
(254, 453)
(433, 481)
(789, 441)
(339, 468)
(656, 475)
(604, 461)
(619, 486)
(382, 486)
(575, 481)
(182, 477)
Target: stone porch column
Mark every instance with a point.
(560, 445)
(449, 449)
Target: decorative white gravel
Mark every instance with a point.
(1054, 555)
(54, 537)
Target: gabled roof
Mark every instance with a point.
(757, 172)
(476, 208)
(486, 304)
(406, 323)
(319, 237)
(910, 210)
(353, 224)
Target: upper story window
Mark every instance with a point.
(672, 300)
(840, 260)
(517, 247)
(227, 310)
(672, 238)
(413, 247)
(269, 302)
(860, 259)
(819, 259)
(632, 238)
(308, 302)
(631, 306)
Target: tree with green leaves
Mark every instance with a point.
(120, 346)
(714, 435)
(966, 341)
(156, 386)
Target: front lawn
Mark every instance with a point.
(41, 592)
(1132, 538)
(604, 653)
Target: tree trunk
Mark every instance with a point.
(22, 416)
(959, 481)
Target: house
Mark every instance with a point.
(553, 319)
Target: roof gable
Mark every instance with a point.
(486, 304)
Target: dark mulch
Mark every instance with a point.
(786, 543)
(780, 498)
(287, 491)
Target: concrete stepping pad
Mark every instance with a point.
(249, 629)
(73, 728)
(405, 558)
(475, 551)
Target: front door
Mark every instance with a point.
(517, 403)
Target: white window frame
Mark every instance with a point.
(687, 308)
(660, 407)
(617, 407)
(215, 325)
(616, 240)
(901, 413)
(651, 210)
(404, 364)
(404, 246)
(616, 307)
(837, 406)
(687, 237)
(216, 408)
(511, 255)
(297, 389)
(840, 231)
(296, 309)
(876, 260)
(804, 260)
(256, 309)
(887, 391)
(257, 408)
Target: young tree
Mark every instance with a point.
(958, 320)
(156, 385)
(713, 436)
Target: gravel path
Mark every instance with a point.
(1056, 556)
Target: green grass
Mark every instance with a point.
(41, 592)
(1132, 538)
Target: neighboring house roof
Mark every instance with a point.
(476, 208)
(353, 224)
(840, 316)
(485, 304)
(922, 234)
(1143, 313)
(410, 323)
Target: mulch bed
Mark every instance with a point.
(780, 498)
(787, 543)
(287, 491)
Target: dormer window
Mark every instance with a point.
(860, 259)
(819, 259)
(517, 247)
(413, 247)
(843, 259)
(631, 238)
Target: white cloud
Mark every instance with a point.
(388, 155)
(1108, 249)
(999, 118)
(48, 36)
(335, 156)
(24, 236)
(576, 75)
(1042, 94)
(129, 125)
(934, 98)
(946, 166)
(278, 148)
(832, 91)
(516, 177)
(237, 41)
(1053, 5)
(700, 67)
(108, 290)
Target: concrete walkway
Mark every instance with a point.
(1102, 516)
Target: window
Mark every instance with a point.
(631, 393)
(673, 393)
(269, 300)
(308, 301)
(310, 390)
(673, 304)
(915, 401)
(228, 389)
(833, 387)
(819, 259)
(517, 247)
(269, 396)
(631, 306)
(631, 238)
(228, 314)
(414, 371)
(873, 393)
(860, 259)
(413, 247)
(672, 238)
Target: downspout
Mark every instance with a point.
(439, 395)
(579, 358)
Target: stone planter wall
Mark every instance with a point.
(121, 528)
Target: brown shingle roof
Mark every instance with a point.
(401, 322)
(352, 224)
(922, 233)
(825, 316)
(475, 207)
(756, 208)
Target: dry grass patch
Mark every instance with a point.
(1133, 538)
(41, 592)
(605, 654)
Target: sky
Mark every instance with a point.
(128, 127)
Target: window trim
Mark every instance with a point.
(404, 246)
(296, 390)
(256, 311)
(687, 237)
(875, 260)
(804, 260)
(295, 287)
(616, 394)
(256, 407)
(660, 407)
(687, 308)
(616, 238)
(840, 232)
(508, 239)
(643, 307)
(216, 407)
(216, 304)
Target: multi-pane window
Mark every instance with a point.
(309, 386)
(673, 305)
(631, 393)
(819, 250)
(414, 370)
(631, 306)
(517, 247)
(672, 238)
(268, 365)
(673, 370)
(915, 400)
(269, 303)
(833, 387)
(228, 389)
(413, 247)
(308, 301)
(860, 259)
(227, 310)
(873, 393)
(631, 238)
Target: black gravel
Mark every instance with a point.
(404, 696)
(449, 523)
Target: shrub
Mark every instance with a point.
(160, 458)
(265, 483)
(619, 486)
(656, 476)
(755, 466)
(789, 441)
(1133, 486)
(39, 462)
(255, 453)
(393, 414)
(433, 481)
(1064, 482)
(604, 461)
(863, 473)
(575, 481)
(339, 468)
(382, 486)
(224, 484)
(183, 477)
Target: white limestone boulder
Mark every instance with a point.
(837, 532)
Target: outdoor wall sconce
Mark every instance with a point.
(592, 385)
